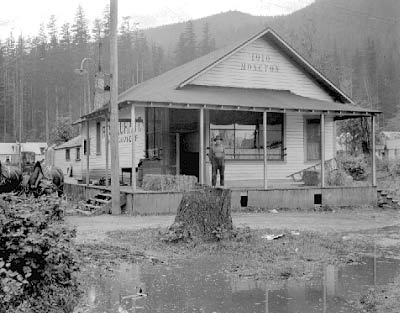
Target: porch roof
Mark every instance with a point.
(239, 98)
(223, 98)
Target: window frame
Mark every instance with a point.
(154, 132)
(67, 154)
(258, 129)
(98, 138)
(78, 154)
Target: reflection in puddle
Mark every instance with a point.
(204, 287)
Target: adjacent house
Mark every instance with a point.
(10, 150)
(68, 155)
(389, 145)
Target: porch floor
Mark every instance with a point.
(235, 185)
(244, 185)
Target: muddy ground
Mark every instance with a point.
(334, 236)
(95, 229)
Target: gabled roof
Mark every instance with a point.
(174, 86)
(290, 52)
(183, 75)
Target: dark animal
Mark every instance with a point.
(39, 177)
(10, 178)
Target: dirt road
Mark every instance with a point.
(95, 228)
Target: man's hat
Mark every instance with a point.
(218, 137)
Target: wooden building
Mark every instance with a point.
(275, 112)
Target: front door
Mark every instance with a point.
(189, 154)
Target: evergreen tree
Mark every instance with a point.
(186, 47)
(125, 54)
(52, 31)
(65, 39)
(180, 50)
(207, 44)
(97, 30)
(157, 59)
(80, 31)
(190, 42)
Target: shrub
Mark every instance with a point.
(394, 167)
(338, 178)
(356, 166)
(37, 258)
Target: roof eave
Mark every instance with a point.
(184, 105)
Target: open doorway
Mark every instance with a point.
(184, 124)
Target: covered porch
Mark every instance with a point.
(265, 146)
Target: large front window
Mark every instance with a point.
(242, 134)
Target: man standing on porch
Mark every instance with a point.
(217, 159)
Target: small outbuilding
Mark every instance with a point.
(67, 156)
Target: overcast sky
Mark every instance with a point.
(25, 16)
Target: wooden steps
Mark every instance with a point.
(386, 200)
(100, 204)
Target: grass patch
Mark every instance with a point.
(381, 299)
(250, 255)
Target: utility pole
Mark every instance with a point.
(47, 116)
(5, 103)
(115, 189)
(21, 104)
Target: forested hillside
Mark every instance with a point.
(354, 42)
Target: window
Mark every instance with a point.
(154, 134)
(67, 155)
(242, 134)
(313, 139)
(85, 147)
(78, 154)
(98, 138)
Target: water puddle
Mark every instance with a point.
(204, 287)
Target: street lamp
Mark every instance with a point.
(84, 72)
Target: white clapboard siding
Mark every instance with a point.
(295, 158)
(97, 162)
(239, 71)
(61, 162)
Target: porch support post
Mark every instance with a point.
(133, 134)
(322, 150)
(373, 151)
(201, 154)
(265, 148)
(87, 153)
(177, 152)
(106, 144)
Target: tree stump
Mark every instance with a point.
(204, 215)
